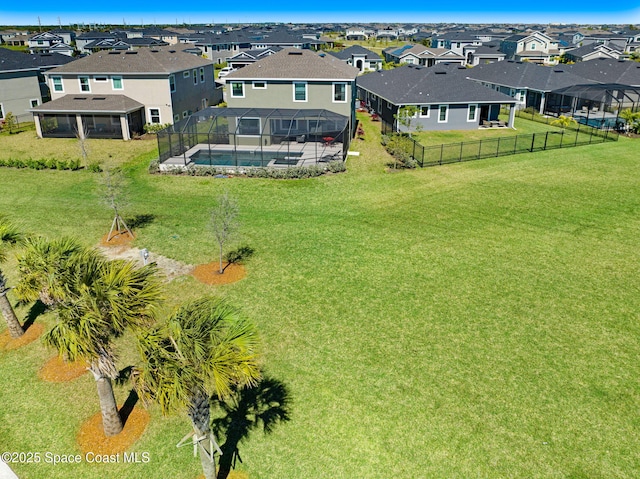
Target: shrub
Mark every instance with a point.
(401, 148)
(155, 127)
(94, 167)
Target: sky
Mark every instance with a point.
(149, 12)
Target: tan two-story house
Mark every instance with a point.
(114, 94)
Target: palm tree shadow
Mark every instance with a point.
(264, 405)
(127, 408)
(36, 310)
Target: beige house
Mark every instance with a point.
(113, 94)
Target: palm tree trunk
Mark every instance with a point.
(199, 413)
(111, 420)
(15, 330)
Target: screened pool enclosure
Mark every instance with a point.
(254, 137)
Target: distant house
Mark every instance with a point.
(22, 84)
(113, 94)
(356, 33)
(90, 37)
(444, 97)
(603, 70)
(591, 52)
(535, 47)
(295, 79)
(359, 57)
(247, 57)
(421, 55)
(485, 54)
(107, 44)
(44, 42)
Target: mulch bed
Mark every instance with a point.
(57, 370)
(91, 437)
(121, 238)
(7, 343)
(210, 273)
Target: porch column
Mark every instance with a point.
(124, 126)
(80, 127)
(36, 121)
(542, 100)
(512, 115)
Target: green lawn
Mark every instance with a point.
(472, 320)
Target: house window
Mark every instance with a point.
(201, 75)
(249, 126)
(172, 83)
(195, 77)
(34, 103)
(116, 83)
(154, 115)
(84, 84)
(57, 83)
(259, 85)
(185, 74)
(424, 111)
(533, 46)
(471, 113)
(443, 113)
(339, 92)
(205, 103)
(299, 91)
(176, 118)
(237, 89)
(185, 114)
(1, 112)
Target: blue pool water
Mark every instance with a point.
(244, 158)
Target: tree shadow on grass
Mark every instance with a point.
(140, 221)
(263, 406)
(127, 408)
(36, 310)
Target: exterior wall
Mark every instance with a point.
(279, 94)
(456, 119)
(153, 91)
(17, 90)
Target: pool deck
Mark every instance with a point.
(310, 153)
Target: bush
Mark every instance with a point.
(401, 148)
(155, 127)
(296, 172)
(94, 167)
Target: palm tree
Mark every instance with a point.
(564, 122)
(96, 301)
(9, 235)
(205, 349)
(631, 118)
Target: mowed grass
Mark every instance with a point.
(473, 320)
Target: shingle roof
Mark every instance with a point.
(410, 85)
(90, 104)
(296, 64)
(355, 50)
(143, 60)
(525, 75)
(608, 71)
(16, 61)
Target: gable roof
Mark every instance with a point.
(347, 53)
(525, 75)
(446, 84)
(143, 60)
(608, 71)
(17, 61)
(296, 64)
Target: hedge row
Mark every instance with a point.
(336, 166)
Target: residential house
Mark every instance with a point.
(297, 79)
(444, 97)
(421, 55)
(535, 47)
(488, 53)
(359, 57)
(247, 57)
(356, 33)
(616, 41)
(591, 52)
(531, 85)
(456, 42)
(107, 44)
(605, 71)
(22, 84)
(113, 94)
(44, 43)
(90, 37)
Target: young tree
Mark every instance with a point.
(405, 117)
(205, 348)
(9, 122)
(224, 222)
(114, 196)
(83, 140)
(9, 235)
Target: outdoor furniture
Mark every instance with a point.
(301, 138)
(327, 140)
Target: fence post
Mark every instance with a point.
(590, 135)
(441, 152)
(460, 154)
(515, 145)
(479, 149)
(561, 137)
(533, 141)
(413, 155)
(498, 147)
(546, 137)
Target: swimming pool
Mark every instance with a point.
(245, 158)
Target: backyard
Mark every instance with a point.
(471, 320)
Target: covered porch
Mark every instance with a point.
(89, 116)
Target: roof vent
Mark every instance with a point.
(130, 53)
(172, 51)
(99, 98)
(79, 97)
(154, 51)
(558, 71)
(440, 72)
(295, 53)
(112, 52)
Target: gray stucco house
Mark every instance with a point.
(446, 99)
(297, 79)
(359, 57)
